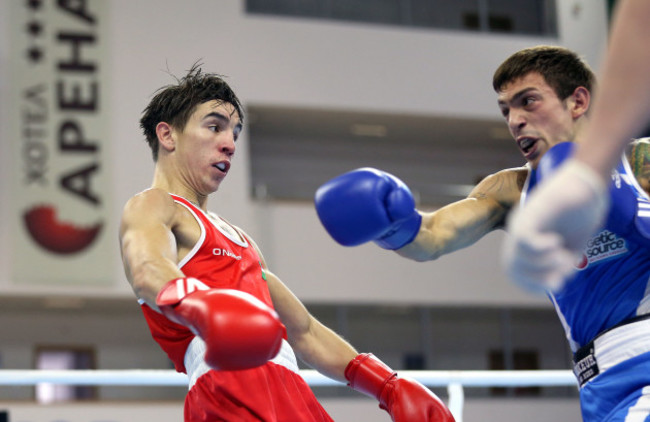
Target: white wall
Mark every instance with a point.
(309, 63)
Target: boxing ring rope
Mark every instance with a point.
(455, 381)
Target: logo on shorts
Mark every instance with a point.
(605, 245)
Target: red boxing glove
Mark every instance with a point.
(406, 400)
(239, 330)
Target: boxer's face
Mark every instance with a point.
(536, 117)
(206, 145)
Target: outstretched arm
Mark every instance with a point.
(371, 205)
(622, 99)
(314, 343)
(406, 400)
(463, 223)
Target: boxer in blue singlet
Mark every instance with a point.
(605, 306)
(579, 194)
(544, 94)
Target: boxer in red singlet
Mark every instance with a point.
(207, 295)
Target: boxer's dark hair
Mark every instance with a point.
(175, 103)
(563, 70)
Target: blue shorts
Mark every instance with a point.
(620, 394)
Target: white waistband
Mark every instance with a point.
(195, 364)
(621, 344)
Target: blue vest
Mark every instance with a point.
(612, 281)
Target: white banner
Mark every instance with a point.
(60, 187)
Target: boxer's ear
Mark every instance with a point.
(165, 133)
(579, 102)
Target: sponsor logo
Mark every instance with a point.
(605, 245)
(225, 252)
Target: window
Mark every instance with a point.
(294, 151)
(518, 360)
(530, 17)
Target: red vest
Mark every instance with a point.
(220, 260)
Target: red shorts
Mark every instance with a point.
(270, 393)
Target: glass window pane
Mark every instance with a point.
(304, 8)
(374, 11)
(535, 17)
(521, 16)
(459, 14)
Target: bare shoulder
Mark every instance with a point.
(151, 196)
(151, 204)
(504, 186)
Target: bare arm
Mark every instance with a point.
(322, 349)
(463, 223)
(148, 245)
(314, 343)
(622, 99)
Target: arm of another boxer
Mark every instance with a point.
(462, 223)
(622, 98)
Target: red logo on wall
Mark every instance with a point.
(56, 236)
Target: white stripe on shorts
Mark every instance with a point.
(641, 410)
(195, 364)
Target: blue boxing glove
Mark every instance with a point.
(368, 204)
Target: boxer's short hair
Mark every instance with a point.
(563, 69)
(175, 103)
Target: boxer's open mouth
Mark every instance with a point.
(526, 144)
(223, 166)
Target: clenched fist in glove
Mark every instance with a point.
(406, 400)
(368, 205)
(239, 330)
